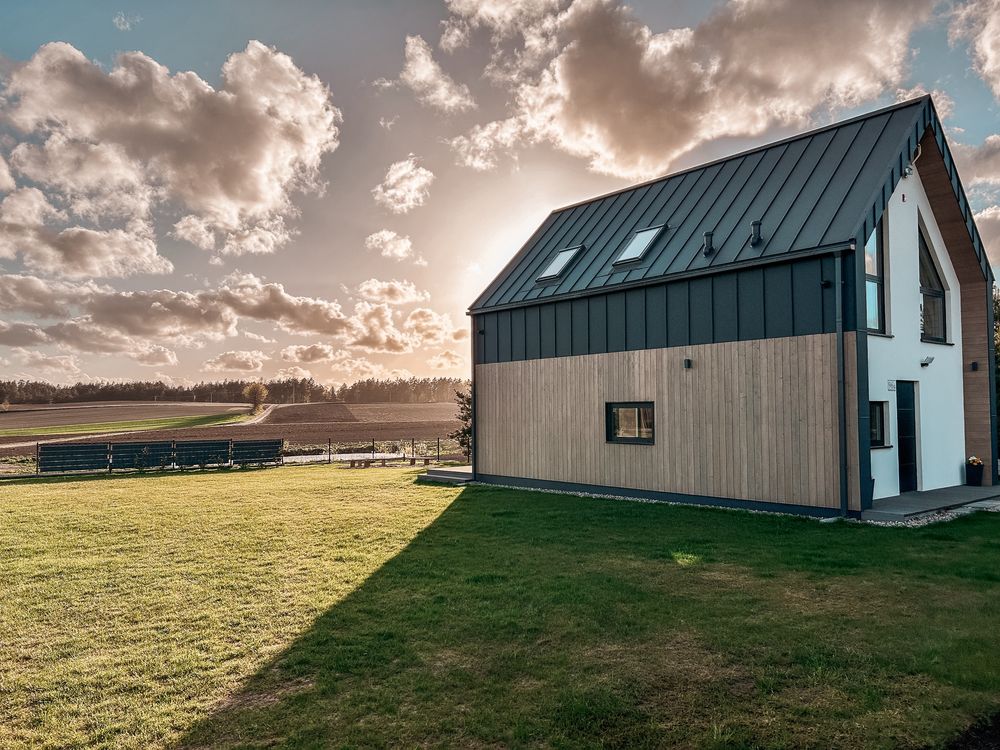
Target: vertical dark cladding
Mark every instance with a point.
(782, 299)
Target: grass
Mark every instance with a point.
(164, 423)
(319, 607)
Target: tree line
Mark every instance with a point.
(280, 391)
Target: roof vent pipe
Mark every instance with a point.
(708, 249)
(755, 238)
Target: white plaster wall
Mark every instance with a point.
(940, 410)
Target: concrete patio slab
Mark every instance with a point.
(909, 504)
(448, 474)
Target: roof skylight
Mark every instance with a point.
(559, 263)
(639, 243)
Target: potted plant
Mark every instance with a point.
(974, 471)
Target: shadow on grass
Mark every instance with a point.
(538, 619)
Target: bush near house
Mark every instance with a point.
(320, 607)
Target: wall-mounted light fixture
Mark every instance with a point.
(973, 366)
(687, 364)
(926, 361)
(826, 283)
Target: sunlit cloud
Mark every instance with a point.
(236, 361)
(406, 186)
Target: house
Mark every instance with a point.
(804, 326)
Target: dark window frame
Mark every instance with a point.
(877, 278)
(879, 440)
(619, 261)
(609, 431)
(925, 291)
(546, 277)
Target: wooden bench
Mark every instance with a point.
(426, 459)
(366, 463)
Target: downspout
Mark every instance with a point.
(472, 388)
(838, 284)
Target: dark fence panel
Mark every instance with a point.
(201, 452)
(72, 457)
(257, 451)
(142, 455)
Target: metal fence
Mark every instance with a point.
(151, 455)
(179, 454)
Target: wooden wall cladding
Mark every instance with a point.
(750, 420)
(976, 336)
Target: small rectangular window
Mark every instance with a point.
(877, 411)
(558, 264)
(630, 422)
(639, 243)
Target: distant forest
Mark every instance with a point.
(286, 391)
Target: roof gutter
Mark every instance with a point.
(786, 257)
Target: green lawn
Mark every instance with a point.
(164, 423)
(321, 607)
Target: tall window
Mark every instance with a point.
(932, 312)
(874, 280)
(629, 422)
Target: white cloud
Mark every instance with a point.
(391, 245)
(594, 82)
(374, 330)
(978, 22)
(432, 328)
(22, 334)
(236, 361)
(988, 222)
(110, 146)
(6, 181)
(979, 165)
(154, 355)
(405, 187)
(66, 365)
(393, 292)
(944, 104)
(125, 22)
(257, 337)
(251, 296)
(446, 360)
(293, 373)
(351, 368)
(308, 353)
(386, 123)
(430, 84)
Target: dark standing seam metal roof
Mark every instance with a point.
(812, 191)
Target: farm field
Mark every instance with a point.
(38, 416)
(299, 424)
(319, 606)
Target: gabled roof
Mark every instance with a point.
(821, 190)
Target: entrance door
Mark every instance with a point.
(906, 427)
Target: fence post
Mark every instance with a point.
(413, 448)
(329, 450)
(110, 458)
(373, 447)
(38, 466)
(439, 450)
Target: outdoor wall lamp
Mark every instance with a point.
(926, 361)
(687, 364)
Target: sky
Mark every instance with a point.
(195, 191)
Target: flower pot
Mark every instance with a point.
(973, 475)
